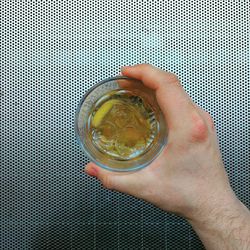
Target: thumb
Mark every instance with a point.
(128, 183)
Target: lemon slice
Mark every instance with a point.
(103, 111)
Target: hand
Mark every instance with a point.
(188, 177)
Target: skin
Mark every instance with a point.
(188, 178)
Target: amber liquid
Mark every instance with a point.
(123, 125)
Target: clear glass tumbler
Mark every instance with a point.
(82, 124)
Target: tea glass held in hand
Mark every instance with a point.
(119, 124)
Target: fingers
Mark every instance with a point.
(151, 76)
(123, 182)
(173, 100)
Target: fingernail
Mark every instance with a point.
(121, 69)
(124, 67)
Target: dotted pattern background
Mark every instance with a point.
(51, 52)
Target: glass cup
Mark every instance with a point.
(82, 124)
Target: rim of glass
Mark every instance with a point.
(85, 150)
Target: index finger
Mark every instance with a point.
(172, 98)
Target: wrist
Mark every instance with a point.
(226, 221)
(214, 208)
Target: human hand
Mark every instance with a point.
(188, 177)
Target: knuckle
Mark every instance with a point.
(210, 120)
(173, 78)
(107, 182)
(147, 66)
(199, 129)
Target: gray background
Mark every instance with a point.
(51, 52)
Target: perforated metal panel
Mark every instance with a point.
(51, 53)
